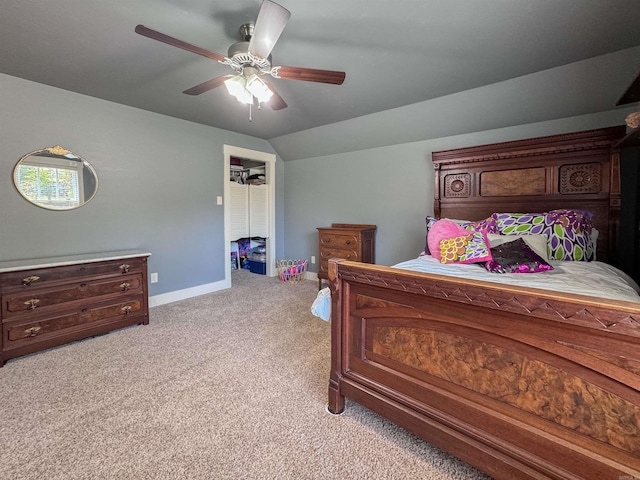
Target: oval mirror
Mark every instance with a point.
(55, 178)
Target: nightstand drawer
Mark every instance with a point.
(339, 241)
(327, 253)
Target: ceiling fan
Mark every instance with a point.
(251, 60)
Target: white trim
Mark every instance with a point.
(177, 295)
(270, 173)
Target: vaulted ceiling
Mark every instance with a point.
(394, 53)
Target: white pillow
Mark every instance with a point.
(594, 241)
(537, 243)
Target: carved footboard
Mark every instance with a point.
(517, 382)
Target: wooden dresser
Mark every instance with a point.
(348, 241)
(53, 301)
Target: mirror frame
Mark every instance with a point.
(57, 152)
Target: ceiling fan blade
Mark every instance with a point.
(276, 102)
(161, 37)
(208, 85)
(309, 75)
(271, 21)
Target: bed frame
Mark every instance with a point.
(518, 382)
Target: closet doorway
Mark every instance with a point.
(254, 158)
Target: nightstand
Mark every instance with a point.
(347, 241)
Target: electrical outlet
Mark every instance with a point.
(313, 259)
(219, 200)
(154, 277)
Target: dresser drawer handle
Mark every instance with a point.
(125, 267)
(126, 309)
(125, 286)
(32, 332)
(32, 304)
(348, 242)
(29, 280)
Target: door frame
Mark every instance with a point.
(269, 160)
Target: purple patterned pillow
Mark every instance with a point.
(515, 257)
(568, 231)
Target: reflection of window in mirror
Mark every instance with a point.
(55, 178)
(52, 182)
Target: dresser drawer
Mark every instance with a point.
(28, 300)
(41, 327)
(339, 241)
(327, 253)
(43, 276)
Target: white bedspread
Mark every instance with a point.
(595, 279)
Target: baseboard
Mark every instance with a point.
(177, 295)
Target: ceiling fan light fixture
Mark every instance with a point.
(237, 87)
(258, 88)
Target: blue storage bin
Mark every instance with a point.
(258, 267)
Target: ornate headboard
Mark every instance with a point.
(575, 171)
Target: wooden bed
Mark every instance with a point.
(518, 382)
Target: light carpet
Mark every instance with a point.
(229, 385)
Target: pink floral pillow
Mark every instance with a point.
(472, 247)
(488, 225)
(441, 230)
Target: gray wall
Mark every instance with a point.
(391, 187)
(158, 182)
